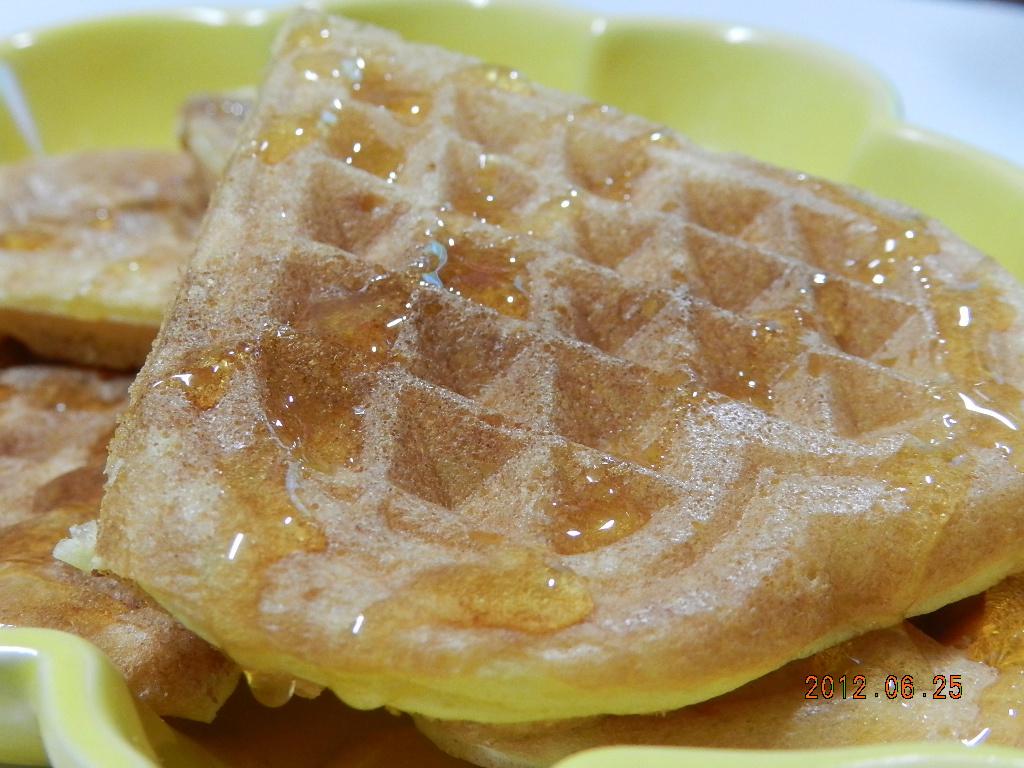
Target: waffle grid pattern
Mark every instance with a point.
(459, 300)
(629, 315)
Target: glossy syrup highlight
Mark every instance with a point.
(514, 590)
(492, 272)
(592, 506)
(205, 377)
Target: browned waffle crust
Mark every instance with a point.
(786, 709)
(483, 401)
(818, 701)
(90, 250)
(55, 424)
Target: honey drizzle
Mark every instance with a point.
(772, 341)
(560, 212)
(312, 407)
(632, 160)
(967, 318)
(479, 192)
(998, 641)
(891, 248)
(351, 137)
(979, 410)
(205, 378)
(327, 64)
(984, 409)
(264, 519)
(366, 321)
(489, 272)
(269, 689)
(460, 589)
(638, 160)
(275, 690)
(516, 590)
(935, 468)
(591, 507)
(346, 134)
(316, 371)
(366, 79)
(284, 136)
(378, 86)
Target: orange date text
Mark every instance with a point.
(892, 687)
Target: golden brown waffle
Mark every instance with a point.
(981, 704)
(55, 424)
(772, 712)
(485, 402)
(90, 249)
(998, 641)
(54, 421)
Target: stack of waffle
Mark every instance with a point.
(489, 404)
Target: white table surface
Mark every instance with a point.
(957, 64)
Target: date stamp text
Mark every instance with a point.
(893, 687)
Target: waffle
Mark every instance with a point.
(208, 129)
(484, 402)
(55, 425)
(54, 422)
(769, 713)
(982, 646)
(998, 641)
(90, 249)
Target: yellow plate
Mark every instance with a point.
(119, 82)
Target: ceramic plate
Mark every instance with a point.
(119, 82)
